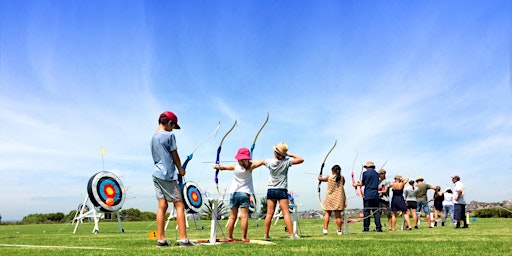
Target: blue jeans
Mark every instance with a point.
(448, 209)
(423, 205)
(369, 206)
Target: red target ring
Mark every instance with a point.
(192, 197)
(106, 191)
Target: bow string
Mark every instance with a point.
(322, 169)
(189, 157)
(217, 160)
(352, 174)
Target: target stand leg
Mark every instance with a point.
(121, 229)
(345, 222)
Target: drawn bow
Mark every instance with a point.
(322, 169)
(189, 157)
(257, 134)
(217, 160)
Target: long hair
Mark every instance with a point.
(337, 168)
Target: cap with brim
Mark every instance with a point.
(419, 178)
(170, 116)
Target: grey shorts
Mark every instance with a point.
(167, 189)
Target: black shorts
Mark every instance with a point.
(412, 204)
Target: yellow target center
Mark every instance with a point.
(110, 191)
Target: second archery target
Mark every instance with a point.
(106, 191)
(192, 197)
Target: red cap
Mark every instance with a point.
(170, 116)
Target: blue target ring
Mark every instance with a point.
(192, 197)
(103, 187)
(106, 192)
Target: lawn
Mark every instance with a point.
(484, 237)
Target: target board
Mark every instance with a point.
(192, 197)
(106, 191)
(252, 203)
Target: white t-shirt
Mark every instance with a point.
(448, 198)
(459, 187)
(242, 181)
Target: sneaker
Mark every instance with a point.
(268, 238)
(163, 243)
(187, 243)
(416, 227)
(294, 237)
(339, 233)
(325, 231)
(246, 240)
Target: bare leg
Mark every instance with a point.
(244, 219)
(337, 215)
(180, 218)
(232, 220)
(160, 218)
(271, 208)
(286, 216)
(393, 221)
(327, 216)
(405, 215)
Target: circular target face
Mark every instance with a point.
(106, 191)
(85, 208)
(252, 203)
(192, 197)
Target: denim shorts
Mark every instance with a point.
(423, 205)
(277, 193)
(239, 200)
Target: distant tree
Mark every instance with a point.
(494, 212)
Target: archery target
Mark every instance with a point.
(106, 191)
(192, 197)
(252, 203)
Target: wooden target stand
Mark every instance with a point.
(106, 193)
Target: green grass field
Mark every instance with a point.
(484, 237)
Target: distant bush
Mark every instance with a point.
(495, 212)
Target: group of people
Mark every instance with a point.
(409, 198)
(168, 168)
(405, 199)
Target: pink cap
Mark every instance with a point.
(243, 153)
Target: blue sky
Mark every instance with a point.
(423, 85)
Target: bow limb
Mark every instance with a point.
(321, 171)
(257, 134)
(189, 157)
(361, 191)
(217, 160)
(352, 174)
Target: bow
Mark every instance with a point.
(322, 169)
(217, 160)
(257, 134)
(189, 157)
(352, 174)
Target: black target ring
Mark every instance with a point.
(192, 197)
(106, 191)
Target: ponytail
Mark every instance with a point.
(337, 168)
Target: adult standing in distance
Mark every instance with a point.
(165, 177)
(410, 199)
(384, 196)
(398, 201)
(335, 198)
(421, 198)
(371, 198)
(448, 205)
(460, 203)
(278, 186)
(241, 189)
